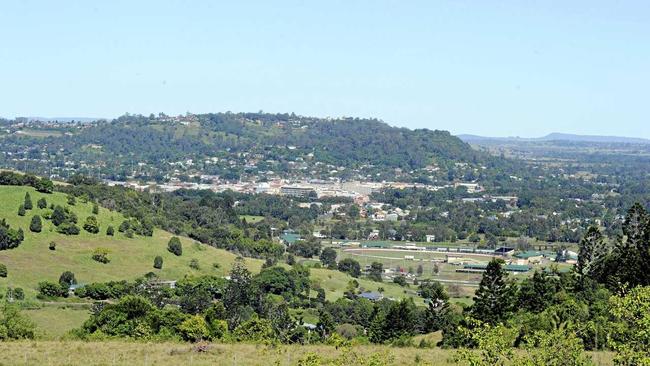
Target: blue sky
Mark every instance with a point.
(484, 67)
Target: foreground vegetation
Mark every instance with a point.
(163, 354)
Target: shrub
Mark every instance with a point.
(21, 210)
(50, 289)
(101, 255)
(124, 226)
(52, 245)
(68, 228)
(158, 262)
(36, 225)
(110, 231)
(44, 186)
(95, 209)
(72, 200)
(67, 278)
(14, 325)
(174, 246)
(255, 330)
(194, 329)
(28, 202)
(41, 203)
(3, 270)
(194, 264)
(91, 225)
(400, 280)
(19, 294)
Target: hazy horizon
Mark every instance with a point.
(85, 118)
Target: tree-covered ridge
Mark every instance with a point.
(282, 138)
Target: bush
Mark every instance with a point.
(3, 270)
(95, 209)
(19, 294)
(174, 246)
(110, 231)
(36, 225)
(194, 329)
(72, 200)
(255, 330)
(68, 228)
(400, 280)
(158, 262)
(41, 203)
(52, 245)
(21, 210)
(194, 264)
(49, 289)
(124, 226)
(91, 225)
(101, 255)
(44, 186)
(14, 325)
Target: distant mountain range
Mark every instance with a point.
(556, 136)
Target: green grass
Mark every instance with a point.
(41, 133)
(163, 354)
(334, 283)
(251, 219)
(54, 321)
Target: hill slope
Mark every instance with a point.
(33, 262)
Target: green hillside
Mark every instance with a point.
(33, 262)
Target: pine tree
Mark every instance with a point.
(28, 201)
(633, 254)
(592, 251)
(58, 215)
(42, 203)
(495, 296)
(36, 225)
(21, 210)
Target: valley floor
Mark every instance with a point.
(163, 354)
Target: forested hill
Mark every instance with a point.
(257, 142)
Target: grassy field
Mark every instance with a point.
(40, 133)
(163, 354)
(251, 219)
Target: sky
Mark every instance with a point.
(494, 68)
